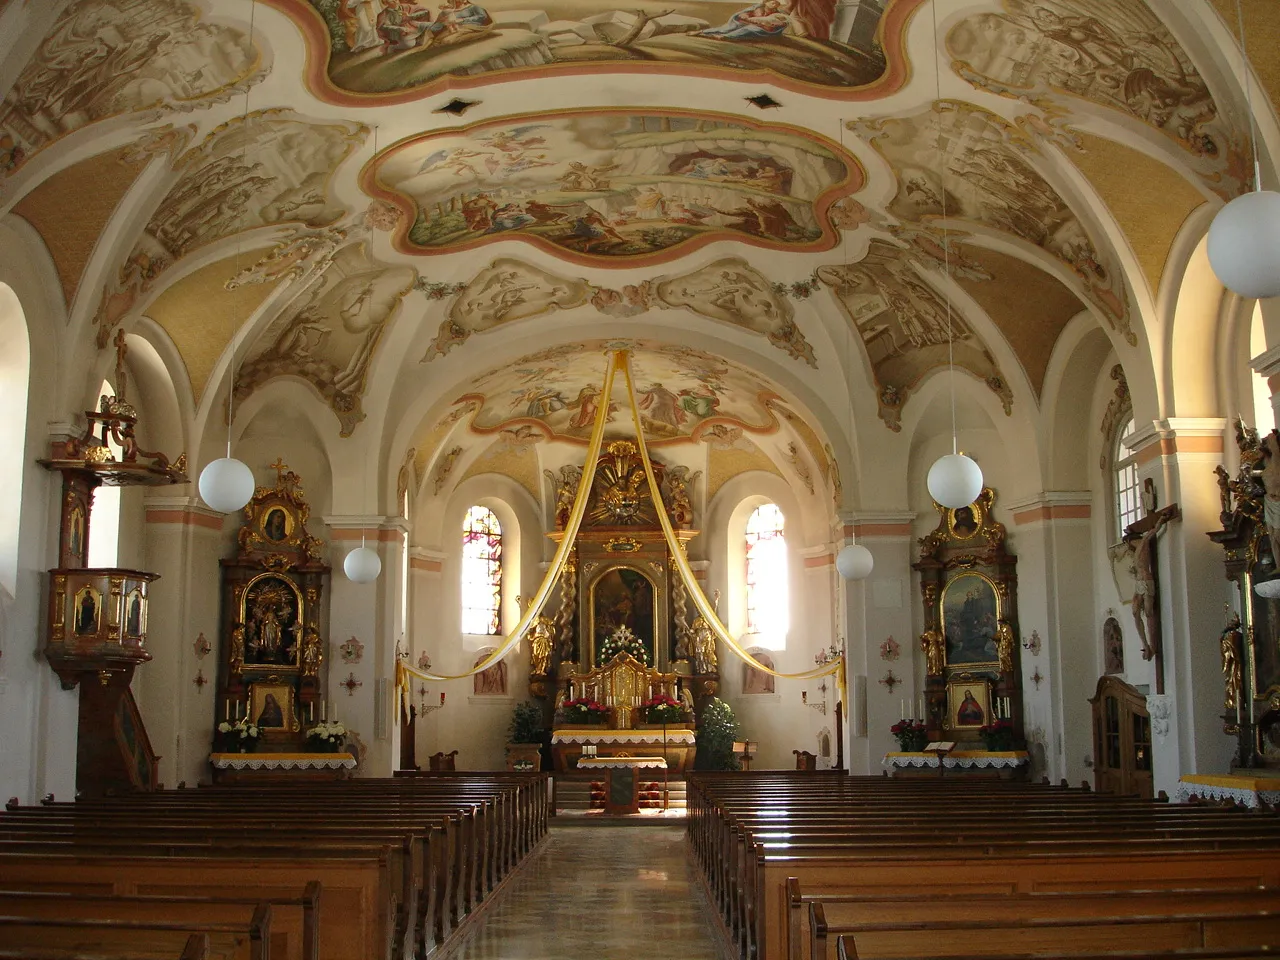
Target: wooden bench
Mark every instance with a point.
(847, 950)
(196, 947)
(246, 940)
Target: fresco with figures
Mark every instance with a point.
(906, 329)
(328, 334)
(394, 47)
(270, 167)
(1114, 53)
(983, 180)
(605, 185)
(683, 394)
(104, 58)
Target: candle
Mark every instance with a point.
(226, 710)
(902, 708)
(324, 709)
(920, 708)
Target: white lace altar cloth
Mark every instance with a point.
(959, 760)
(282, 761)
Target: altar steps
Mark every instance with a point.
(573, 795)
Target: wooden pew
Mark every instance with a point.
(195, 948)
(245, 940)
(847, 950)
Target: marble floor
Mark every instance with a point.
(600, 893)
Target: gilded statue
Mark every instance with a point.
(704, 647)
(1231, 644)
(311, 653)
(934, 646)
(541, 635)
(237, 649)
(1004, 645)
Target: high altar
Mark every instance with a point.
(622, 636)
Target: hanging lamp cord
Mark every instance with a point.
(946, 246)
(1248, 99)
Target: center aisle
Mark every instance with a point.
(600, 893)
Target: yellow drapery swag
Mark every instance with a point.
(619, 360)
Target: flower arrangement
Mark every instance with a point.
(238, 736)
(912, 735)
(327, 736)
(662, 709)
(622, 640)
(583, 710)
(997, 735)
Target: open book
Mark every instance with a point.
(945, 745)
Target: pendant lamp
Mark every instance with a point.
(1268, 589)
(362, 565)
(855, 562)
(227, 484)
(1244, 238)
(954, 480)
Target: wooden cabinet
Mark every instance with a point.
(1121, 740)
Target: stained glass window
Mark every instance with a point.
(768, 600)
(481, 572)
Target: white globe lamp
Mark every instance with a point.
(855, 562)
(1268, 589)
(362, 565)
(955, 481)
(226, 484)
(1244, 245)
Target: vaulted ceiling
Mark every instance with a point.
(437, 215)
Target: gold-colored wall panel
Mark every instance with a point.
(1262, 35)
(1150, 201)
(71, 209)
(1028, 305)
(518, 463)
(201, 315)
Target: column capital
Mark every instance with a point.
(1267, 363)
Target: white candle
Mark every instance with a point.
(902, 709)
(920, 708)
(226, 710)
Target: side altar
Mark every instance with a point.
(621, 652)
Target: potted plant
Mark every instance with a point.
(997, 736)
(327, 736)
(525, 736)
(717, 732)
(237, 736)
(584, 710)
(912, 735)
(662, 709)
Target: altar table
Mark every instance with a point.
(1001, 764)
(622, 780)
(1245, 790)
(677, 748)
(276, 767)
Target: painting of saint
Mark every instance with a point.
(1265, 622)
(623, 597)
(970, 611)
(1112, 646)
(969, 705)
(270, 715)
(75, 533)
(275, 527)
(757, 681)
(970, 712)
(491, 682)
(760, 22)
(963, 523)
(133, 619)
(86, 611)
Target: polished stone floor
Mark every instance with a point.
(600, 893)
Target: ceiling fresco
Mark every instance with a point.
(906, 329)
(595, 186)
(728, 290)
(378, 48)
(1114, 53)
(969, 159)
(683, 394)
(268, 168)
(328, 334)
(103, 58)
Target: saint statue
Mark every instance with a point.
(237, 648)
(1231, 643)
(935, 651)
(540, 642)
(1004, 645)
(268, 642)
(704, 647)
(311, 654)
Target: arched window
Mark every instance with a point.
(1128, 489)
(104, 519)
(1264, 417)
(481, 572)
(768, 597)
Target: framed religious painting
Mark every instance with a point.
(623, 605)
(273, 613)
(272, 706)
(968, 703)
(970, 615)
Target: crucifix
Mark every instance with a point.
(1141, 537)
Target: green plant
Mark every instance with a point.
(717, 731)
(526, 723)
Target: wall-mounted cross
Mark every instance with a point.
(351, 683)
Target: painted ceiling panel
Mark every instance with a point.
(69, 219)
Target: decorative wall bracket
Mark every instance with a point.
(1033, 643)
(352, 651)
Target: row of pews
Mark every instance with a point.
(814, 866)
(370, 869)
